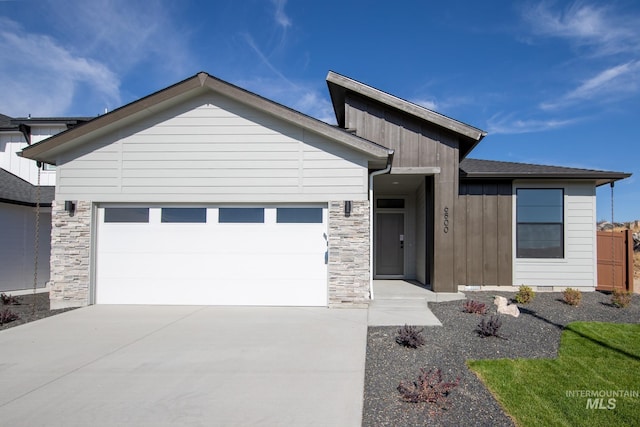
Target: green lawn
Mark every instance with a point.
(593, 357)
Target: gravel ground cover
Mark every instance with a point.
(26, 309)
(535, 334)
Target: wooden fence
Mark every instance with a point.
(615, 260)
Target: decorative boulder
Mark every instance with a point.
(505, 308)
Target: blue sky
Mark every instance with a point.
(552, 82)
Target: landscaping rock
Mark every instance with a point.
(505, 308)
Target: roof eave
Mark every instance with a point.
(24, 203)
(599, 178)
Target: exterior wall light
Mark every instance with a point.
(347, 208)
(70, 206)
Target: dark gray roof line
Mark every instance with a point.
(12, 123)
(493, 169)
(15, 190)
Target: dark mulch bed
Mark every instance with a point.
(26, 309)
(535, 334)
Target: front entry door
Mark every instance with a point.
(389, 244)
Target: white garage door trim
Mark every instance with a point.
(212, 263)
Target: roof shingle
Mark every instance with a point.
(476, 168)
(17, 191)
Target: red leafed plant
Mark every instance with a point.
(429, 387)
(476, 307)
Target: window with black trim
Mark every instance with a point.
(126, 215)
(299, 215)
(390, 203)
(184, 215)
(241, 215)
(540, 223)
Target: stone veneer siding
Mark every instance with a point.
(70, 255)
(349, 255)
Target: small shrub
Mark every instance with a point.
(429, 387)
(410, 336)
(9, 299)
(490, 327)
(476, 307)
(7, 316)
(572, 296)
(525, 295)
(620, 298)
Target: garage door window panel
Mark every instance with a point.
(126, 215)
(241, 215)
(184, 215)
(299, 216)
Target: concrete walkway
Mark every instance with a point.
(400, 302)
(185, 366)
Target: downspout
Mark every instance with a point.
(373, 174)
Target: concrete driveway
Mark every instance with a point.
(185, 366)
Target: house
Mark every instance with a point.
(22, 200)
(205, 193)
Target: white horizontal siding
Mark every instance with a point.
(578, 267)
(13, 142)
(212, 149)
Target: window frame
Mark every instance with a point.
(524, 253)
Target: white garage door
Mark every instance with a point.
(212, 256)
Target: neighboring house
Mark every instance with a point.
(205, 193)
(19, 196)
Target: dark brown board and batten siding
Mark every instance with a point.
(483, 234)
(417, 143)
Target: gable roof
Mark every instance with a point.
(47, 150)
(17, 191)
(339, 85)
(492, 169)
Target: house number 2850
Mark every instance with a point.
(445, 222)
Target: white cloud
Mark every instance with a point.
(125, 34)
(41, 77)
(263, 58)
(299, 96)
(597, 27)
(619, 81)
(508, 124)
(315, 105)
(281, 17)
(607, 38)
(86, 48)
